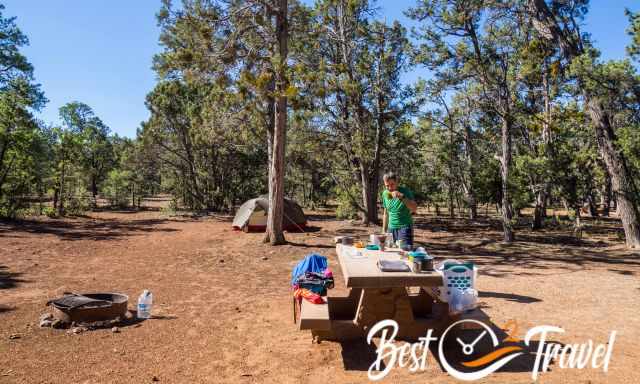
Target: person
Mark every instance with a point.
(399, 205)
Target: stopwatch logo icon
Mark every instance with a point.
(491, 361)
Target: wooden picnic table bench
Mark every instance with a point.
(376, 295)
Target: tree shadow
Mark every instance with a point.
(131, 321)
(502, 260)
(124, 210)
(9, 279)
(357, 355)
(510, 297)
(558, 239)
(303, 245)
(306, 229)
(220, 217)
(321, 217)
(5, 308)
(624, 273)
(84, 229)
(526, 362)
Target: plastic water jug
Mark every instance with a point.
(145, 302)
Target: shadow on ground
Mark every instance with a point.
(84, 228)
(9, 279)
(532, 253)
(357, 355)
(509, 297)
(5, 308)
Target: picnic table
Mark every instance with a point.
(375, 295)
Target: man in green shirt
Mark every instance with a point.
(399, 205)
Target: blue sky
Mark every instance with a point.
(99, 52)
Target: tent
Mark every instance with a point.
(252, 215)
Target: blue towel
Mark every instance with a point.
(311, 263)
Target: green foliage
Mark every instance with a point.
(634, 31)
(348, 204)
(23, 143)
(117, 188)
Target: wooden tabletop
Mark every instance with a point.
(363, 272)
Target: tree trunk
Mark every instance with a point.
(94, 191)
(274, 234)
(314, 186)
(468, 185)
(40, 197)
(606, 196)
(369, 195)
(371, 175)
(540, 211)
(505, 167)
(61, 190)
(56, 194)
(577, 225)
(3, 170)
(622, 183)
(593, 207)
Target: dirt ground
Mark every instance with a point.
(223, 313)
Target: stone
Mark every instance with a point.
(45, 323)
(155, 378)
(15, 336)
(265, 258)
(115, 330)
(77, 330)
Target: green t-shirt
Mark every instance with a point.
(399, 215)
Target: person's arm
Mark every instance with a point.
(411, 204)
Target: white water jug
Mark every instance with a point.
(145, 302)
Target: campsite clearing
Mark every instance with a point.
(224, 314)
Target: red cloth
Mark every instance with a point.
(308, 295)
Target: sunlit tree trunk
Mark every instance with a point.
(539, 212)
(505, 168)
(274, 234)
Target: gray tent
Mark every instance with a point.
(252, 215)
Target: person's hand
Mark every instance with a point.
(397, 194)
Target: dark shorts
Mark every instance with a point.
(404, 233)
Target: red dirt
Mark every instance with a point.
(224, 314)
